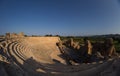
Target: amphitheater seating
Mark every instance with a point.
(21, 51)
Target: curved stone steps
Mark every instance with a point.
(13, 55)
(89, 66)
(2, 39)
(91, 69)
(25, 51)
(18, 52)
(15, 58)
(2, 42)
(18, 60)
(64, 73)
(73, 68)
(113, 69)
(88, 72)
(21, 51)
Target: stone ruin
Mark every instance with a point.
(87, 52)
(14, 35)
(21, 34)
(39, 56)
(7, 35)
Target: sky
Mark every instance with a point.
(62, 17)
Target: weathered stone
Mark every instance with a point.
(13, 35)
(7, 35)
(110, 48)
(88, 46)
(78, 47)
(21, 34)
